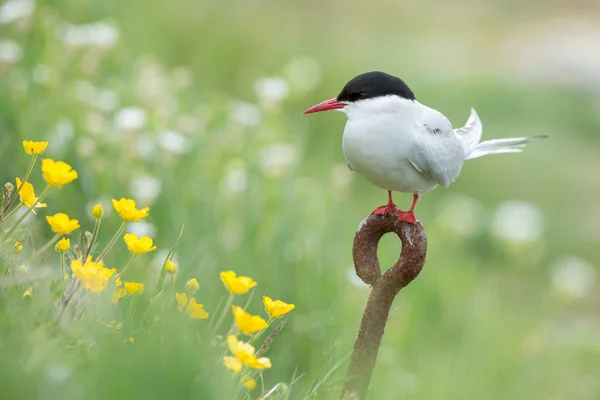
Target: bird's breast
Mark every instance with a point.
(379, 149)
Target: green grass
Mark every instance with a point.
(482, 321)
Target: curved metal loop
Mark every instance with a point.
(385, 287)
(366, 243)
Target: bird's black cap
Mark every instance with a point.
(374, 84)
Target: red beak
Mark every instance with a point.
(330, 104)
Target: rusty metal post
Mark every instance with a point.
(384, 289)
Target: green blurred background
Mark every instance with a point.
(194, 109)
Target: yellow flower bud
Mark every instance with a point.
(192, 286)
(170, 267)
(97, 211)
(63, 245)
(18, 247)
(250, 384)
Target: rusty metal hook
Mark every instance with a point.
(385, 287)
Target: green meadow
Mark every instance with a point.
(194, 109)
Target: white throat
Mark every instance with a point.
(369, 108)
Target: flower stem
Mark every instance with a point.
(94, 237)
(126, 266)
(13, 212)
(18, 190)
(131, 310)
(63, 271)
(223, 314)
(112, 241)
(44, 248)
(35, 203)
(161, 278)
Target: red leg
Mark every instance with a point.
(388, 208)
(409, 216)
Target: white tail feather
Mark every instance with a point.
(500, 146)
(470, 135)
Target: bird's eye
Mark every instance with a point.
(358, 96)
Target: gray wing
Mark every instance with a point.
(438, 153)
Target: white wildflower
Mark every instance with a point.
(573, 276)
(245, 113)
(277, 158)
(10, 52)
(131, 119)
(304, 73)
(14, 10)
(517, 221)
(174, 142)
(146, 187)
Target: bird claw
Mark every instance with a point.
(403, 216)
(384, 210)
(406, 216)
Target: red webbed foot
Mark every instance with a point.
(384, 210)
(406, 216)
(390, 207)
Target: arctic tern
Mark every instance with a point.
(401, 145)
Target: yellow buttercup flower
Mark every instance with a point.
(18, 247)
(93, 275)
(247, 323)
(129, 288)
(62, 224)
(127, 211)
(249, 384)
(27, 195)
(134, 288)
(97, 211)
(260, 363)
(196, 311)
(63, 245)
(192, 286)
(277, 308)
(236, 284)
(32, 147)
(57, 173)
(193, 310)
(245, 353)
(138, 245)
(233, 363)
(181, 300)
(170, 267)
